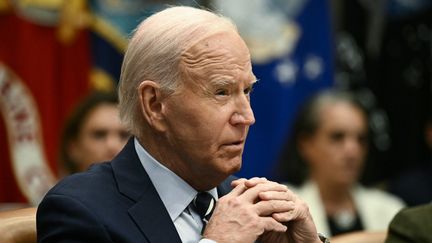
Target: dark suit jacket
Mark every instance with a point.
(111, 202)
(413, 225)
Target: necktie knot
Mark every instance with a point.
(204, 204)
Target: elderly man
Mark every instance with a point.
(184, 94)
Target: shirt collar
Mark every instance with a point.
(175, 193)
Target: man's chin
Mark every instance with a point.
(234, 166)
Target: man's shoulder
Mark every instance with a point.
(94, 190)
(98, 177)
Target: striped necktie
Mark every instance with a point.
(204, 204)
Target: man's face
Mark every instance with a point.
(337, 150)
(209, 117)
(101, 136)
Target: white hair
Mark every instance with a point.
(154, 53)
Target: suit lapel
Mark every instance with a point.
(225, 187)
(148, 212)
(153, 219)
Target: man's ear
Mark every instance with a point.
(151, 104)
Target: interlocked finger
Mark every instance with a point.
(268, 208)
(271, 224)
(299, 211)
(252, 194)
(249, 182)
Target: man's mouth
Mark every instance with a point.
(235, 145)
(240, 142)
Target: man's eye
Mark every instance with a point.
(222, 92)
(248, 90)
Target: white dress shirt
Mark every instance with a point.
(176, 195)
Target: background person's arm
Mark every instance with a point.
(360, 237)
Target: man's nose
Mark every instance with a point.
(243, 114)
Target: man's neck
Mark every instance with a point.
(160, 150)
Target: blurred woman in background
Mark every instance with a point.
(93, 133)
(330, 144)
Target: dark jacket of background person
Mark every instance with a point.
(412, 225)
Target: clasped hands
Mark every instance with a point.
(259, 209)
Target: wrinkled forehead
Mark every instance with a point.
(220, 54)
(221, 41)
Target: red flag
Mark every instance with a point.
(50, 78)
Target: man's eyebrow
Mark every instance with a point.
(222, 82)
(227, 82)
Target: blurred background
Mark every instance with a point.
(54, 52)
